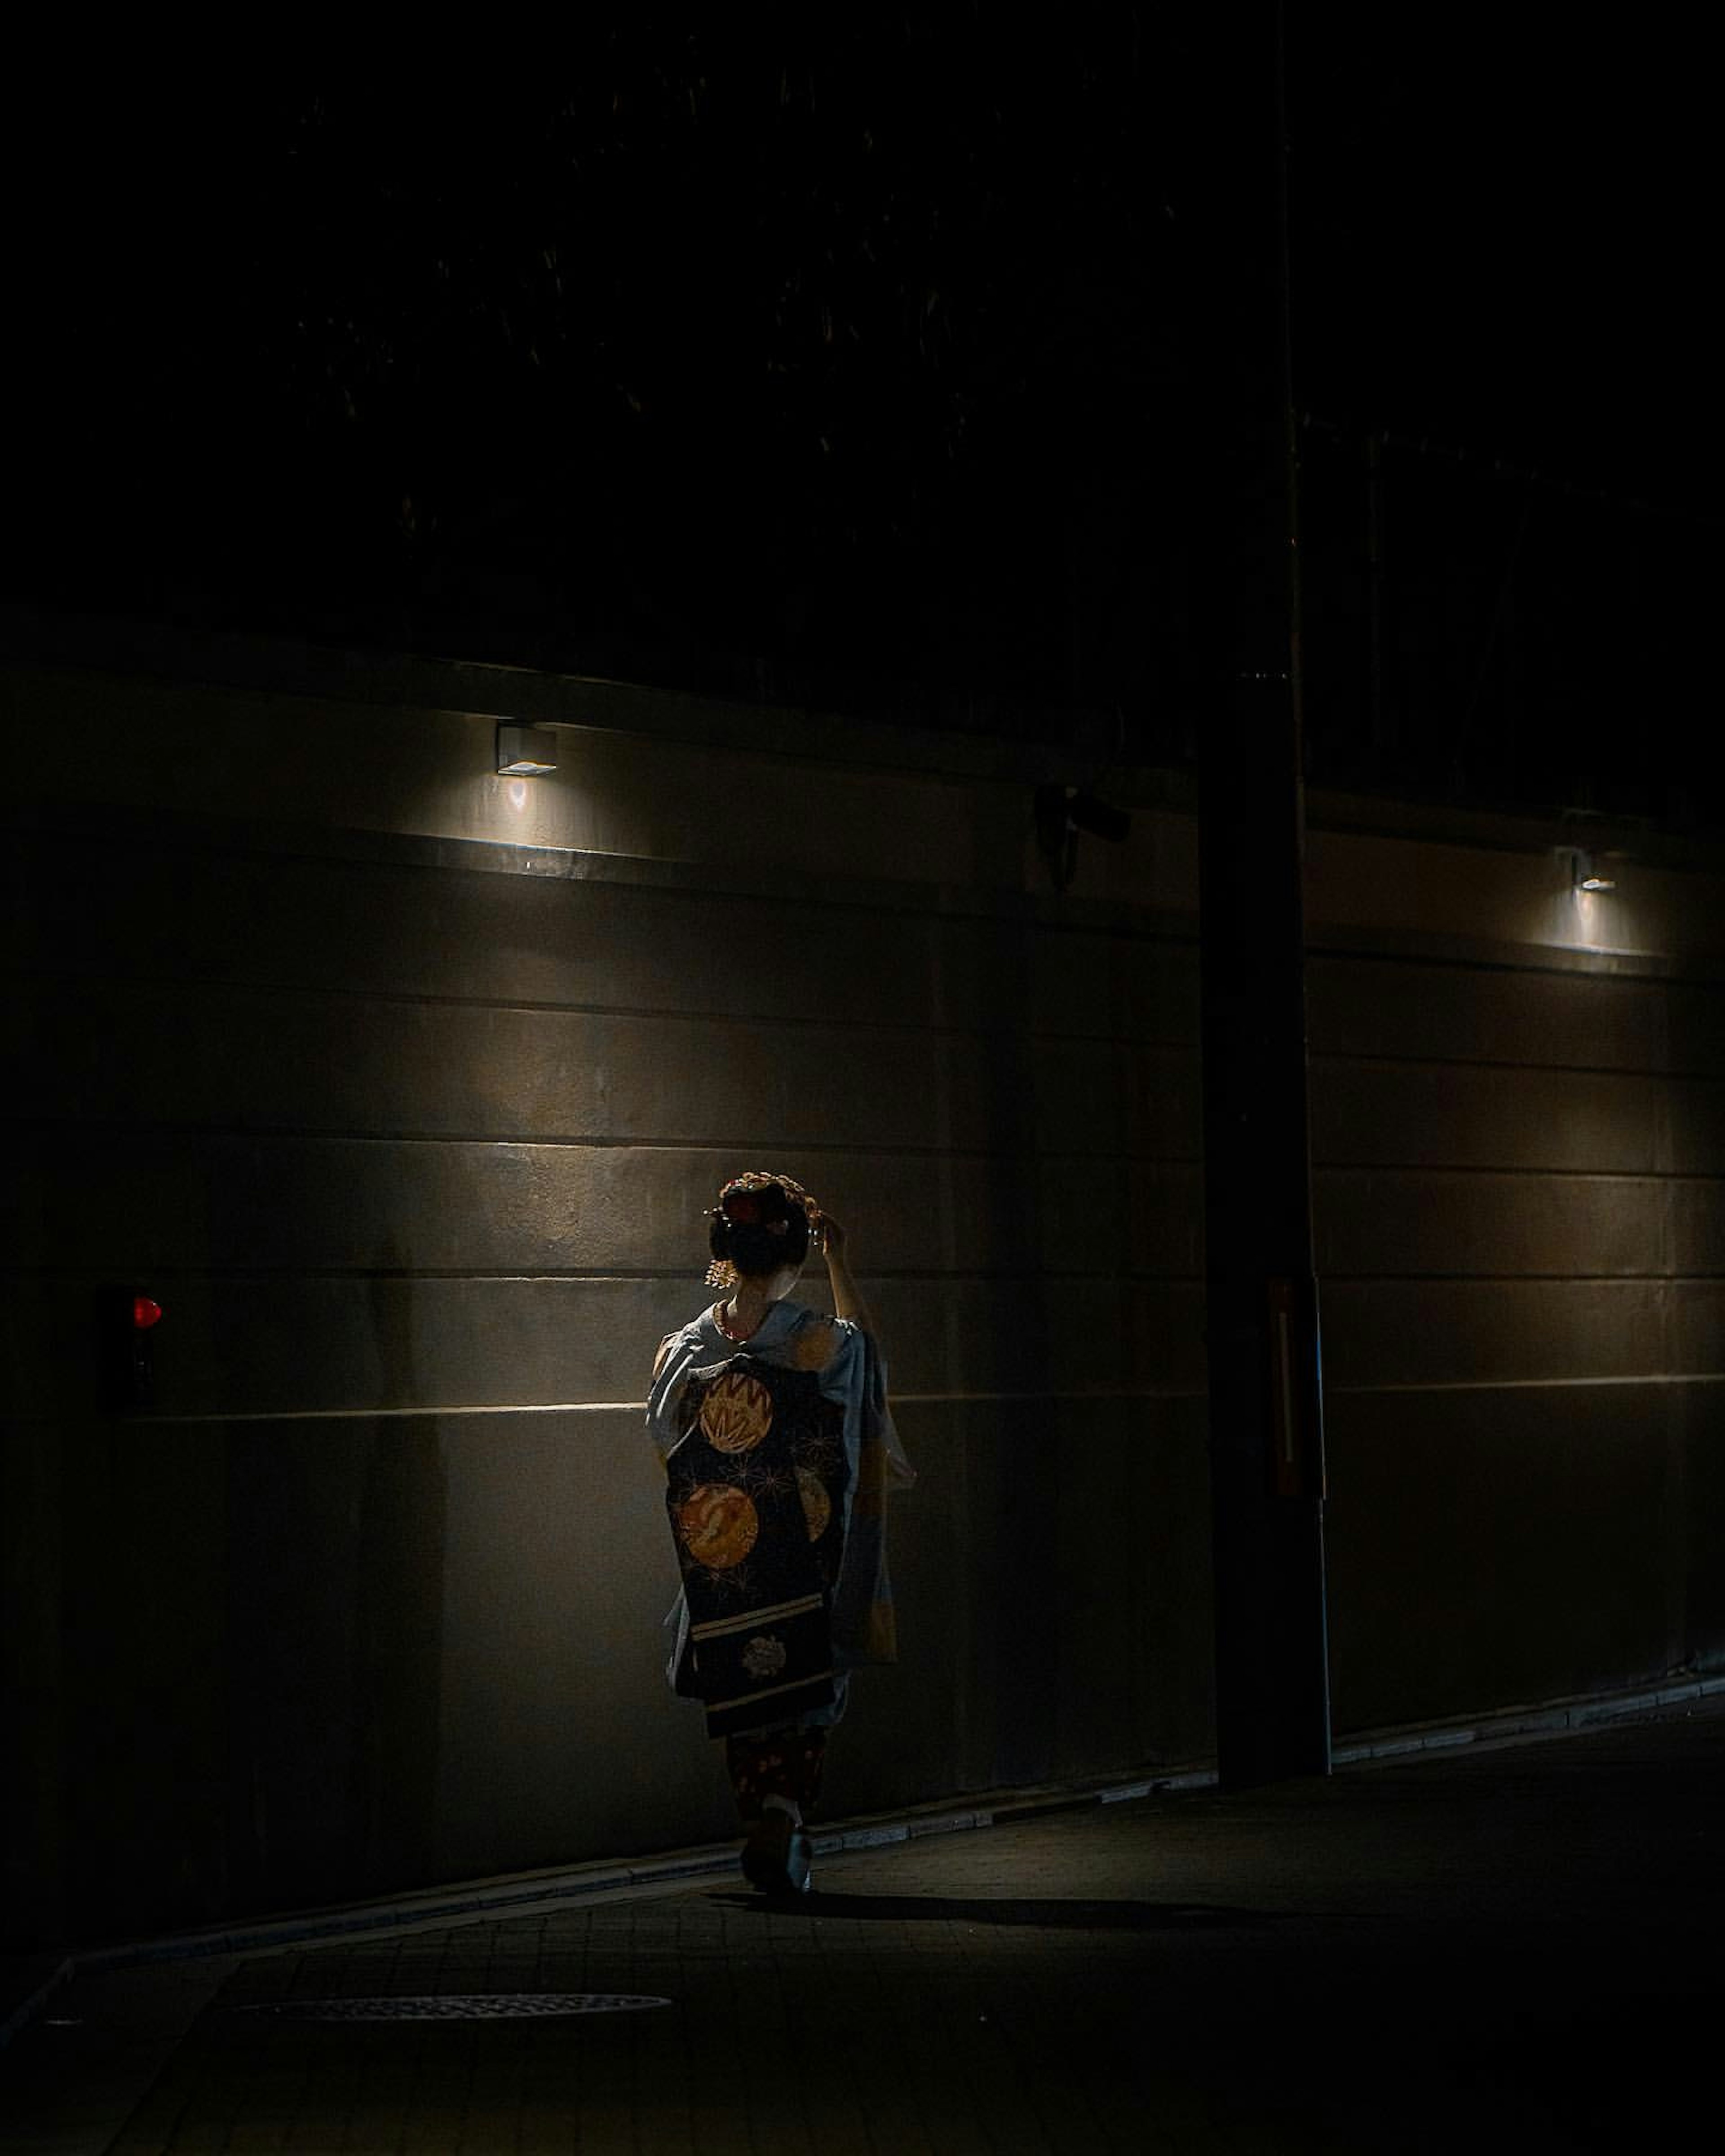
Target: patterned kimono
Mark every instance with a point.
(779, 1453)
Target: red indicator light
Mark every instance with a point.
(145, 1314)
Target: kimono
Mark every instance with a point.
(779, 1452)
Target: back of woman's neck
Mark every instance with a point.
(746, 1308)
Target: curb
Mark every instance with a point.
(29, 1982)
(1554, 1718)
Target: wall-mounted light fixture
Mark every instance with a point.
(1584, 873)
(526, 751)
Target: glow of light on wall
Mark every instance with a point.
(1593, 924)
(1588, 925)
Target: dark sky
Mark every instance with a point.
(1507, 233)
(868, 352)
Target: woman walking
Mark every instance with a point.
(780, 1449)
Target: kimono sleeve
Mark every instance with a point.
(855, 1374)
(676, 1351)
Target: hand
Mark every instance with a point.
(832, 1237)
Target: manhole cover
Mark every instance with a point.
(459, 2006)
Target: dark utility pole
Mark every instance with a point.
(1266, 1394)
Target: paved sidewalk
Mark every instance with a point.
(1504, 1947)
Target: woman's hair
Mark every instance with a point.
(758, 1230)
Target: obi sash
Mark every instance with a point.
(756, 1497)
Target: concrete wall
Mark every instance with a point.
(1519, 1139)
(404, 1086)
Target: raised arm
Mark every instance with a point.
(847, 1297)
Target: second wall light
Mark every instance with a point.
(526, 751)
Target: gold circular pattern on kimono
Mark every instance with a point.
(817, 1506)
(736, 1414)
(718, 1525)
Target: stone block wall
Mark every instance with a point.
(404, 1086)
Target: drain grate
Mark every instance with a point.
(457, 2006)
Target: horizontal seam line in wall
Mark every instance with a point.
(1659, 972)
(72, 985)
(1004, 905)
(599, 1276)
(923, 899)
(898, 1150)
(928, 899)
(585, 1407)
(593, 1275)
(607, 1143)
(1386, 1060)
(76, 984)
(898, 1399)
(1659, 1175)
(1499, 1280)
(1532, 1384)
